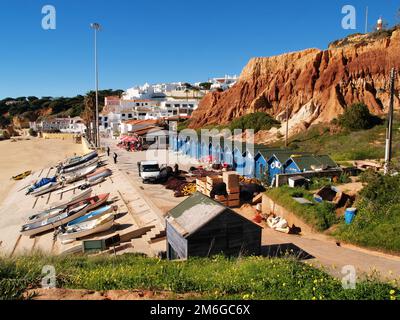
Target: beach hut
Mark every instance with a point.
(275, 162)
(228, 155)
(238, 161)
(308, 162)
(202, 227)
(249, 158)
(216, 152)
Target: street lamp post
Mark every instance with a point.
(96, 27)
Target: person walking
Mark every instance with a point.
(115, 158)
(108, 151)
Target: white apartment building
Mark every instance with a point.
(223, 83)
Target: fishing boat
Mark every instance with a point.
(93, 203)
(92, 215)
(41, 184)
(97, 172)
(78, 166)
(81, 195)
(79, 174)
(80, 159)
(87, 228)
(22, 176)
(104, 174)
(52, 186)
(69, 214)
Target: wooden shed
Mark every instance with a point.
(202, 227)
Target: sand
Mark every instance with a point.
(34, 154)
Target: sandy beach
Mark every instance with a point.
(34, 154)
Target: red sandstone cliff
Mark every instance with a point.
(315, 84)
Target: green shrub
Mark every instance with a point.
(377, 223)
(321, 216)
(256, 121)
(357, 117)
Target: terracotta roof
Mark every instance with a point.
(141, 122)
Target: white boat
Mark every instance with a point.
(47, 188)
(79, 159)
(71, 213)
(79, 174)
(103, 174)
(60, 205)
(93, 215)
(79, 166)
(87, 228)
(53, 222)
(93, 202)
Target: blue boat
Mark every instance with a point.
(91, 216)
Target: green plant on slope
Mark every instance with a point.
(357, 117)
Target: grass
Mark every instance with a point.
(347, 145)
(320, 216)
(214, 278)
(377, 223)
(380, 233)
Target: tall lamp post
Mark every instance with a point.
(96, 27)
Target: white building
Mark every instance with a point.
(65, 125)
(223, 83)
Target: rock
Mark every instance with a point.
(315, 84)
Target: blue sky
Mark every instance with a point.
(159, 41)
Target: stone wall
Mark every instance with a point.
(269, 206)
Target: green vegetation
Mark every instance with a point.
(377, 223)
(357, 117)
(256, 121)
(218, 277)
(345, 145)
(321, 216)
(32, 107)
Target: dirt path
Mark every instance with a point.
(67, 294)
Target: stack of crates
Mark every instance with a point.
(211, 182)
(231, 179)
(201, 185)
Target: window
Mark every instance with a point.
(130, 116)
(191, 106)
(123, 115)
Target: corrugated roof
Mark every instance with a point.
(193, 213)
(327, 160)
(306, 162)
(280, 154)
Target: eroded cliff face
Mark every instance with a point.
(315, 85)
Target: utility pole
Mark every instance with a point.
(287, 126)
(389, 131)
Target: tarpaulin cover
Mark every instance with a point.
(43, 182)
